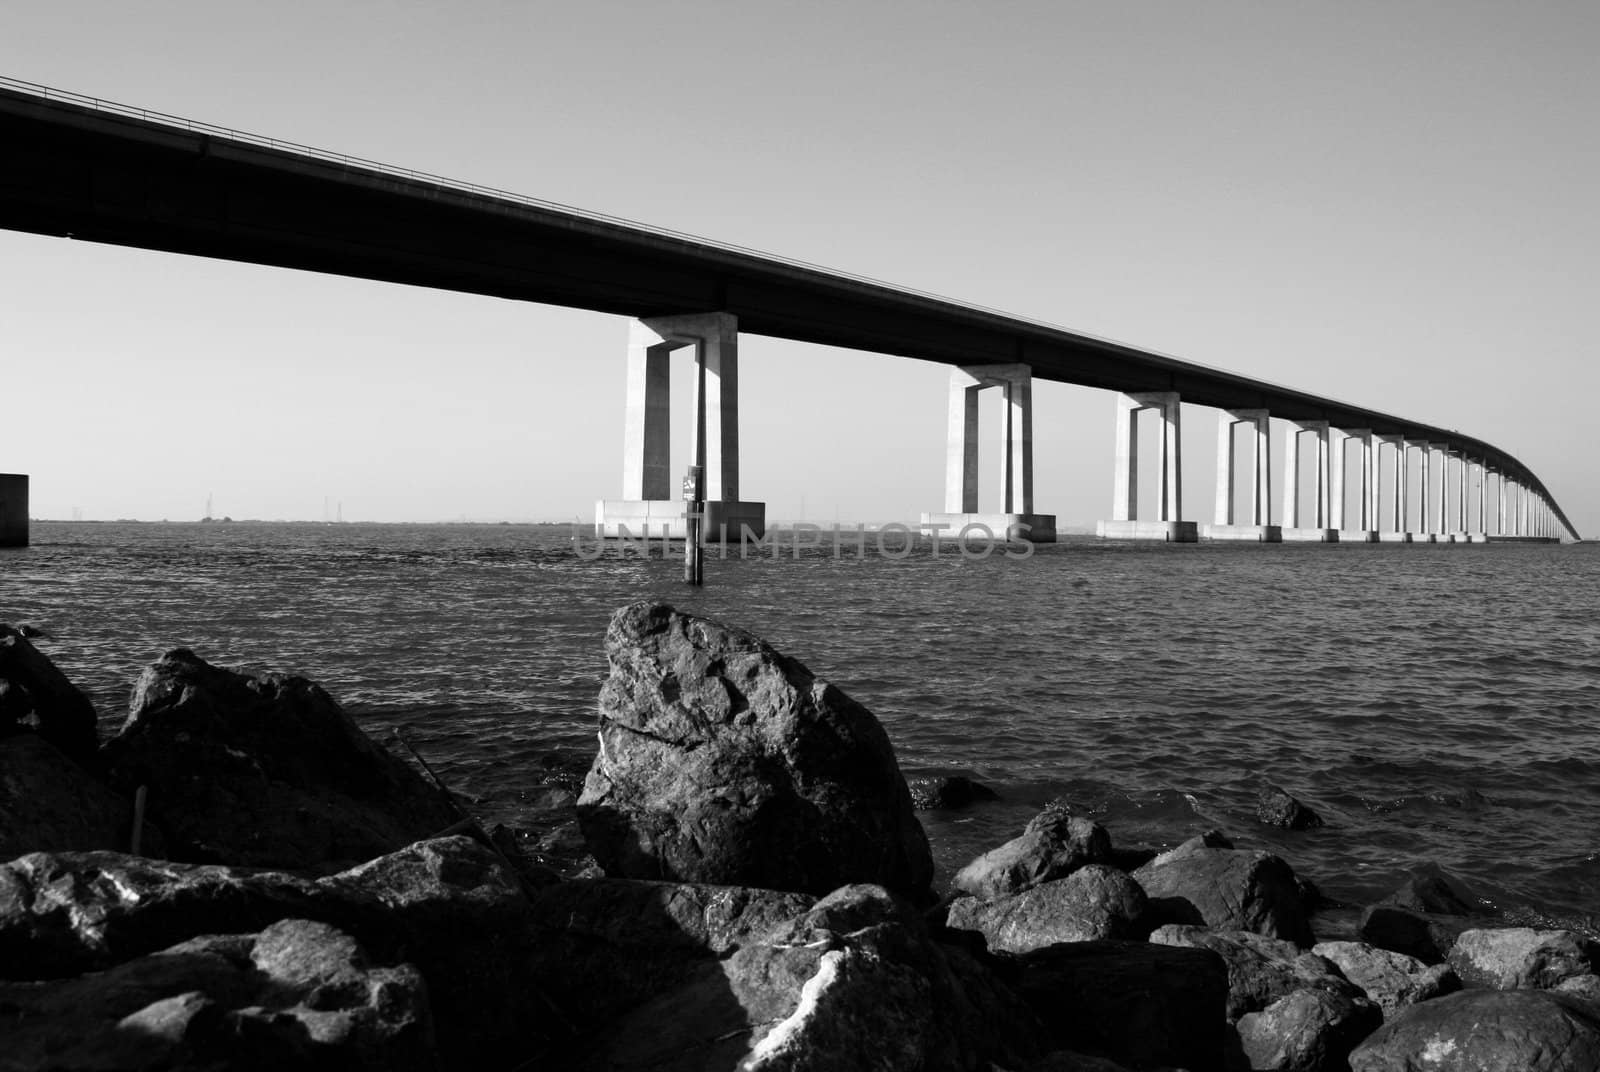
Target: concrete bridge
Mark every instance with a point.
(98, 171)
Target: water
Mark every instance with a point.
(1433, 703)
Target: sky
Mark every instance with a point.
(1391, 204)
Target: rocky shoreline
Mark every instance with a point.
(241, 878)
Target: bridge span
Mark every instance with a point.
(89, 169)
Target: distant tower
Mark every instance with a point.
(208, 507)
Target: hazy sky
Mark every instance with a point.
(1391, 203)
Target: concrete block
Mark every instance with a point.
(13, 510)
(658, 517)
(1246, 533)
(1310, 535)
(1171, 531)
(1358, 536)
(1394, 537)
(1041, 527)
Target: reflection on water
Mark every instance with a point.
(1432, 702)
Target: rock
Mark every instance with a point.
(1067, 1061)
(1053, 845)
(1226, 889)
(450, 907)
(1137, 1003)
(1486, 1031)
(609, 945)
(1392, 980)
(298, 995)
(1521, 958)
(1261, 970)
(50, 804)
(35, 694)
(1275, 807)
(1307, 1031)
(1210, 839)
(1426, 937)
(853, 983)
(264, 771)
(1091, 903)
(1431, 890)
(950, 792)
(723, 761)
(1584, 987)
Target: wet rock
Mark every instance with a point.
(1226, 889)
(450, 907)
(1491, 1030)
(1067, 1061)
(1307, 1031)
(264, 771)
(723, 761)
(853, 983)
(1141, 1004)
(609, 945)
(36, 695)
(50, 804)
(1209, 839)
(950, 792)
(1583, 987)
(1053, 845)
(1275, 807)
(1427, 937)
(1521, 958)
(1392, 980)
(298, 995)
(1432, 890)
(1093, 902)
(1261, 970)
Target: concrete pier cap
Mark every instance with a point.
(13, 510)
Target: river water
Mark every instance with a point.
(1433, 703)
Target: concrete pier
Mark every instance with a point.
(1125, 523)
(1016, 514)
(1256, 527)
(647, 483)
(13, 510)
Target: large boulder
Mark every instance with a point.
(853, 983)
(1431, 889)
(724, 761)
(1486, 1031)
(1226, 889)
(297, 995)
(1522, 958)
(1261, 970)
(450, 907)
(949, 792)
(1091, 903)
(1310, 1030)
(264, 771)
(609, 945)
(1054, 844)
(1392, 980)
(34, 694)
(1426, 936)
(50, 804)
(1137, 1003)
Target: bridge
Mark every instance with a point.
(84, 168)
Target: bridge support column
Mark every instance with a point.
(1125, 523)
(1294, 527)
(1366, 528)
(1016, 515)
(648, 506)
(1258, 526)
(1396, 533)
(13, 510)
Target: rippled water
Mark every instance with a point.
(1433, 703)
